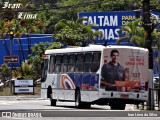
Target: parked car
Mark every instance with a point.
(1, 84)
(7, 82)
(38, 81)
(156, 80)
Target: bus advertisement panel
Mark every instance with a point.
(125, 69)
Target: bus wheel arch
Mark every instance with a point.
(49, 95)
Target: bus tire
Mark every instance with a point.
(117, 106)
(86, 105)
(49, 92)
(78, 102)
(53, 101)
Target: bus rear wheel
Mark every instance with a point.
(53, 102)
(117, 106)
(79, 103)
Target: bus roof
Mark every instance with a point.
(129, 47)
(89, 48)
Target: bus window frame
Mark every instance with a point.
(53, 65)
(56, 64)
(64, 63)
(89, 62)
(72, 62)
(78, 62)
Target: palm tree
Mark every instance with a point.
(20, 28)
(26, 27)
(134, 33)
(18, 33)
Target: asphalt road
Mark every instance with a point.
(40, 109)
(40, 104)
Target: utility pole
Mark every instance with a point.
(148, 26)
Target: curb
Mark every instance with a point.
(21, 98)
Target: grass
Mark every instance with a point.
(6, 91)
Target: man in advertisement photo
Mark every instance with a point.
(113, 71)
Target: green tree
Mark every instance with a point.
(26, 70)
(5, 72)
(36, 60)
(20, 28)
(74, 33)
(135, 33)
(4, 29)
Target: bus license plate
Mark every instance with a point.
(124, 96)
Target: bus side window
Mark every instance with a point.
(87, 62)
(51, 64)
(79, 63)
(72, 61)
(96, 62)
(71, 67)
(64, 63)
(58, 68)
(58, 63)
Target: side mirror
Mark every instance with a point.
(42, 65)
(42, 79)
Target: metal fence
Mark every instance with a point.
(153, 99)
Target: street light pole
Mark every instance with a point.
(11, 45)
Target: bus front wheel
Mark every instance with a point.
(78, 99)
(53, 102)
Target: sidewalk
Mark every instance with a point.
(144, 107)
(27, 97)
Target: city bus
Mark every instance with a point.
(84, 75)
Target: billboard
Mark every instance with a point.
(23, 86)
(21, 50)
(109, 23)
(125, 69)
